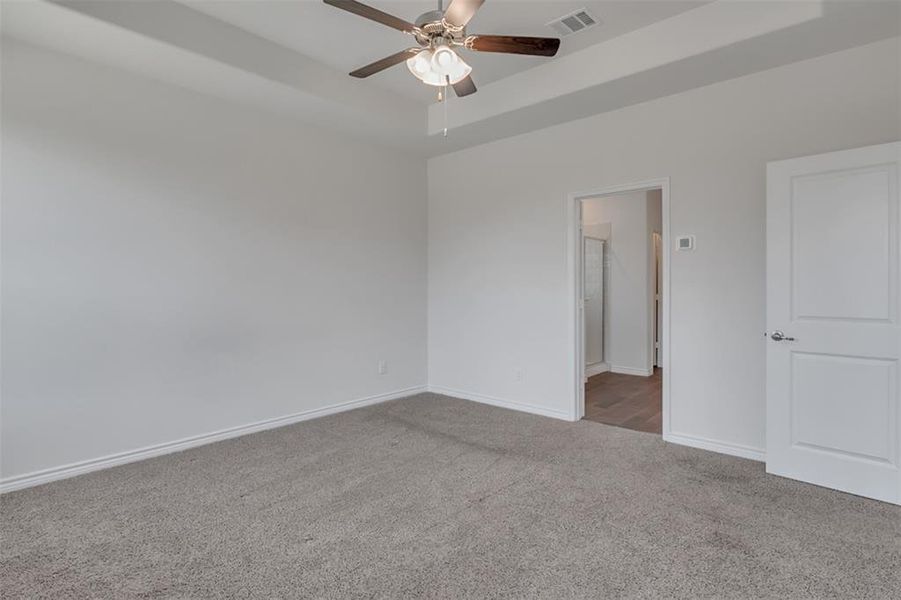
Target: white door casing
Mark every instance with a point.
(833, 396)
(576, 303)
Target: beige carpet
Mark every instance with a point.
(433, 497)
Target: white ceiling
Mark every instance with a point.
(292, 56)
(345, 41)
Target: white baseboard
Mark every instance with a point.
(19, 482)
(716, 446)
(596, 369)
(482, 399)
(631, 371)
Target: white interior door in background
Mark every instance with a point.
(593, 286)
(833, 408)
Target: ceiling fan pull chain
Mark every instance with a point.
(445, 109)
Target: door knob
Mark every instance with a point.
(779, 336)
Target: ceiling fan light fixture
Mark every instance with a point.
(444, 59)
(438, 32)
(461, 72)
(439, 67)
(421, 64)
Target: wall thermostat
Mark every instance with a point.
(685, 242)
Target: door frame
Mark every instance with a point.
(576, 312)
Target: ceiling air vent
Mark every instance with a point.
(573, 22)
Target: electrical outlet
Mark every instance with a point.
(517, 375)
(383, 367)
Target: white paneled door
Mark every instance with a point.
(833, 336)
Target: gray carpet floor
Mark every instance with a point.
(434, 497)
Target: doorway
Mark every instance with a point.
(621, 319)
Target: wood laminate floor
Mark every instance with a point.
(629, 401)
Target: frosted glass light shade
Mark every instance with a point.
(436, 67)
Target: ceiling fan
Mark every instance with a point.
(439, 33)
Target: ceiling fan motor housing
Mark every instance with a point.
(431, 29)
(433, 16)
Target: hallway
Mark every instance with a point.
(628, 401)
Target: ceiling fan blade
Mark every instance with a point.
(374, 14)
(513, 44)
(381, 65)
(465, 87)
(460, 12)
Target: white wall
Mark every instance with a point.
(627, 218)
(256, 268)
(175, 265)
(499, 292)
